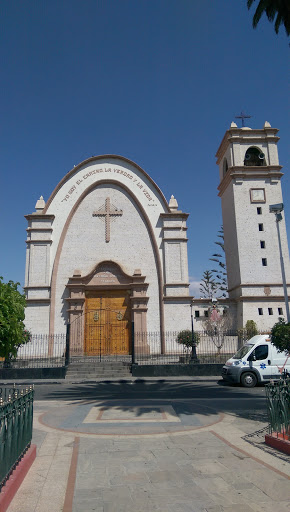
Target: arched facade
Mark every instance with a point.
(107, 214)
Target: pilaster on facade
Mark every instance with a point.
(174, 238)
(38, 243)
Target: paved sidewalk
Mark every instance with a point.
(149, 455)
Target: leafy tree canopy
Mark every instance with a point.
(280, 336)
(278, 10)
(12, 329)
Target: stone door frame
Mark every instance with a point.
(107, 276)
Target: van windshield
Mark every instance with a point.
(243, 351)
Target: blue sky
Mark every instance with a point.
(158, 82)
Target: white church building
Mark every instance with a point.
(107, 249)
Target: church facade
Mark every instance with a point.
(108, 252)
(104, 251)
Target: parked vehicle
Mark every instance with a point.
(257, 361)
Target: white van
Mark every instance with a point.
(257, 361)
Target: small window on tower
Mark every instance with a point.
(270, 311)
(264, 262)
(280, 311)
(262, 244)
(259, 210)
(260, 310)
(206, 314)
(261, 227)
(196, 314)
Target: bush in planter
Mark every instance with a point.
(185, 338)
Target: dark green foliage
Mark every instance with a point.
(278, 10)
(12, 329)
(251, 328)
(221, 272)
(185, 338)
(208, 285)
(280, 336)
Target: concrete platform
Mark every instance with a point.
(148, 455)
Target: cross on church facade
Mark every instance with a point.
(107, 213)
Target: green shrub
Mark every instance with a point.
(185, 338)
(280, 336)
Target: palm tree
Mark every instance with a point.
(273, 8)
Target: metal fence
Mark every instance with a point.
(211, 347)
(16, 418)
(43, 351)
(278, 404)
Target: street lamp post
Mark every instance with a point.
(277, 209)
(194, 358)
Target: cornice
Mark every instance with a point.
(244, 172)
(171, 215)
(40, 301)
(238, 135)
(257, 285)
(38, 242)
(29, 230)
(39, 216)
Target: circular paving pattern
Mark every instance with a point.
(130, 417)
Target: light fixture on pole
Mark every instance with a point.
(277, 209)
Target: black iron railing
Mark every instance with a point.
(16, 418)
(278, 405)
(210, 348)
(43, 351)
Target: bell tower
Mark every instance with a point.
(250, 181)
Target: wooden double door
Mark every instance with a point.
(107, 322)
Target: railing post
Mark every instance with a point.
(133, 342)
(67, 344)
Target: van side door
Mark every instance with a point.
(259, 359)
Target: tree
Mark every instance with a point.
(12, 329)
(280, 336)
(208, 285)
(221, 272)
(217, 326)
(279, 9)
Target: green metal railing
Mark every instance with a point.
(278, 404)
(16, 418)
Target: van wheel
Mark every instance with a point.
(248, 380)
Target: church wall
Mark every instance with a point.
(251, 254)
(230, 237)
(129, 246)
(265, 321)
(112, 169)
(177, 315)
(37, 317)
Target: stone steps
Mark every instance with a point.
(92, 369)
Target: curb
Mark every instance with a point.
(16, 478)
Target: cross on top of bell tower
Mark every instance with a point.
(106, 212)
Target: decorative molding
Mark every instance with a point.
(38, 242)
(241, 172)
(104, 157)
(39, 216)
